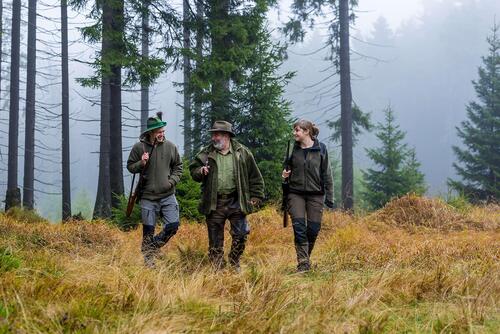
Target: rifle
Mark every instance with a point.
(285, 186)
(135, 196)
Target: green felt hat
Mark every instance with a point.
(154, 123)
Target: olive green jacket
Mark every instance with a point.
(164, 170)
(249, 181)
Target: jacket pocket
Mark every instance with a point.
(165, 186)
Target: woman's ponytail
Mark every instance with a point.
(308, 125)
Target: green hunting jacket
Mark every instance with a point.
(164, 170)
(249, 181)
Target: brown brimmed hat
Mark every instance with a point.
(222, 126)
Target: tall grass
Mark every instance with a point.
(372, 274)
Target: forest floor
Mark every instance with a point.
(415, 266)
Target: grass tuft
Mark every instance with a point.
(418, 265)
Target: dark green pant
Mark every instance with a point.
(306, 212)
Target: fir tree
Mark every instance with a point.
(235, 78)
(413, 179)
(398, 173)
(264, 121)
(479, 158)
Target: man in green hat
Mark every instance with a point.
(163, 172)
(232, 187)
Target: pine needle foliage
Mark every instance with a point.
(479, 157)
(397, 170)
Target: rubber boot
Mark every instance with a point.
(303, 263)
(237, 248)
(312, 234)
(148, 248)
(169, 230)
(216, 248)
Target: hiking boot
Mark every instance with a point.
(235, 266)
(303, 263)
(303, 267)
(216, 257)
(149, 261)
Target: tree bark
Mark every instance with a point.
(66, 177)
(145, 55)
(1, 49)
(220, 86)
(197, 110)
(116, 154)
(346, 107)
(29, 134)
(102, 207)
(187, 74)
(13, 195)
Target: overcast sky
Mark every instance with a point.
(395, 11)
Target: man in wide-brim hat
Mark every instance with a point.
(232, 187)
(163, 171)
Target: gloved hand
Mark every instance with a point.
(329, 204)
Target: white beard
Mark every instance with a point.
(219, 145)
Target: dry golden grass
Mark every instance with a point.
(411, 211)
(388, 272)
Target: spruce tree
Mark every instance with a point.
(264, 120)
(235, 78)
(120, 63)
(479, 157)
(398, 172)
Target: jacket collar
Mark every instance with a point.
(145, 140)
(235, 146)
(212, 152)
(315, 146)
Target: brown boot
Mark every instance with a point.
(302, 257)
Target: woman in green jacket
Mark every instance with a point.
(311, 186)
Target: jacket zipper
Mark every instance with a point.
(305, 171)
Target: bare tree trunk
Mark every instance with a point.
(29, 134)
(187, 74)
(102, 207)
(346, 107)
(197, 110)
(116, 154)
(13, 195)
(1, 50)
(66, 178)
(219, 12)
(145, 55)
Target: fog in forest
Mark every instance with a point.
(420, 64)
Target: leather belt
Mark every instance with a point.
(227, 196)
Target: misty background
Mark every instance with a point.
(417, 56)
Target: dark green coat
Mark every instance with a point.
(249, 181)
(164, 171)
(313, 174)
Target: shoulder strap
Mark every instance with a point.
(322, 153)
(290, 151)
